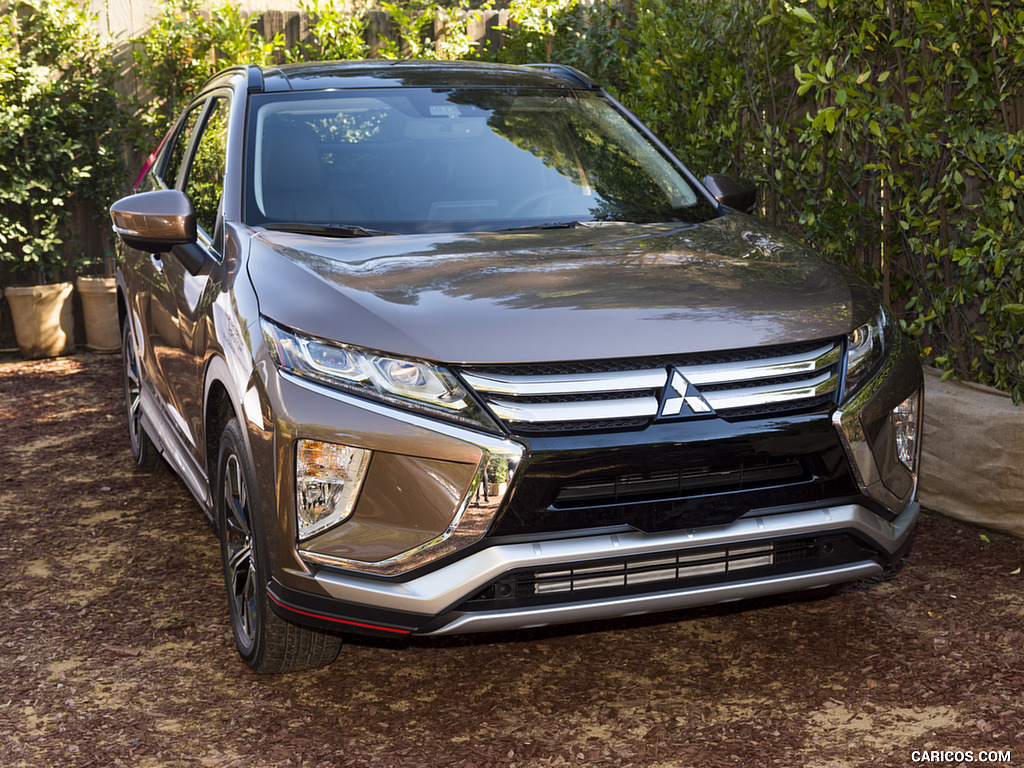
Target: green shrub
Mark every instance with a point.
(60, 135)
(881, 131)
(336, 35)
(914, 100)
(184, 47)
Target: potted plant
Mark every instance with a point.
(60, 151)
(97, 293)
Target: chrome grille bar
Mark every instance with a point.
(582, 383)
(750, 370)
(591, 410)
(772, 394)
(632, 398)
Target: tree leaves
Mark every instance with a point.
(803, 14)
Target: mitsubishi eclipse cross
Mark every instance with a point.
(446, 348)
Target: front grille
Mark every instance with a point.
(670, 477)
(666, 571)
(629, 394)
(643, 486)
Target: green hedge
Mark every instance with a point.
(886, 132)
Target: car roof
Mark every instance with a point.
(409, 73)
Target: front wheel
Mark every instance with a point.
(266, 642)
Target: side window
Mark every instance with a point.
(205, 181)
(176, 154)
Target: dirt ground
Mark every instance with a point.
(115, 648)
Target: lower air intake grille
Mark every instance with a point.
(674, 568)
(665, 571)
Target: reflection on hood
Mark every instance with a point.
(555, 294)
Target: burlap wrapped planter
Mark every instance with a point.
(972, 464)
(99, 309)
(43, 323)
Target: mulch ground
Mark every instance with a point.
(115, 648)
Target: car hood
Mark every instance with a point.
(573, 294)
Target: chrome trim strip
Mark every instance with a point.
(590, 410)
(771, 394)
(479, 503)
(567, 385)
(863, 455)
(436, 591)
(750, 370)
(687, 597)
(169, 444)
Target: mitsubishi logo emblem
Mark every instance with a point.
(682, 398)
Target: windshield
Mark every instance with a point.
(464, 159)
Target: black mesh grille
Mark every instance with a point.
(556, 427)
(680, 483)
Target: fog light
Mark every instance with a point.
(906, 424)
(327, 482)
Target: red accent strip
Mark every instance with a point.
(149, 162)
(338, 621)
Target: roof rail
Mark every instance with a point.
(253, 76)
(570, 74)
(253, 79)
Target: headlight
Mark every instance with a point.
(865, 348)
(411, 384)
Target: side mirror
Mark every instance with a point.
(159, 221)
(732, 191)
(154, 222)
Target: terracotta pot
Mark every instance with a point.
(99, 307)
(43, 323)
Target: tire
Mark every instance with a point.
(143, 451)
(265, 641)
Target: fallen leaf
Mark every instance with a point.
(121, 650)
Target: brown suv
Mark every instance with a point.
(451, 348)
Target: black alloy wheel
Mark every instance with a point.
(265, 641)
(143, 451)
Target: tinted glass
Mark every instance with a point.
(466, 159)
(176, 152)
(205, 181)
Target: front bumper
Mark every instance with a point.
(437, 602)
(521, 560)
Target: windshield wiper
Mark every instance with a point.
(567, 225)
(327, 230)
(549, 225)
